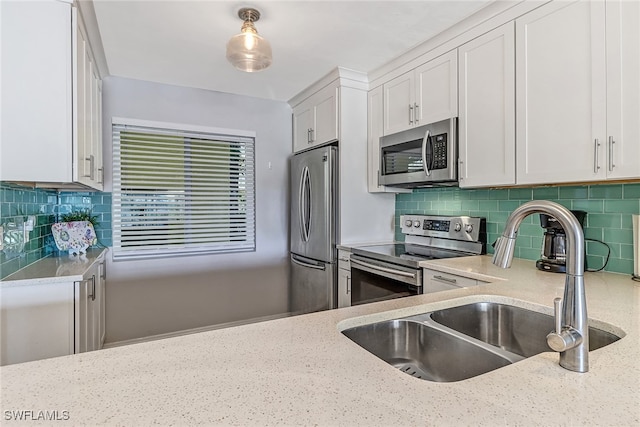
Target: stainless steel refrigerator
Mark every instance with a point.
(313, 230)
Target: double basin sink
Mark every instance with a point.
(462, 342)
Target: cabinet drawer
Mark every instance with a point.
(435, 281)
(344, 261)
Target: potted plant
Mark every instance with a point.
(75, 232)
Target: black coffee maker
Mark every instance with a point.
(554, 243)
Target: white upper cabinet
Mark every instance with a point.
(486, 123)
(427, 94)
(375, 117)
(315, 120)
(398, 103)
(51, 116)
(623, 90)
(437, 90)
(577, 92)
(36, 91)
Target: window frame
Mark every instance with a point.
(234, 137)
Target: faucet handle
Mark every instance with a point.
(557, 314)
(562, 339)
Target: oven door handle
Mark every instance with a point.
(383, 269)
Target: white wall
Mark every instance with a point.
(159, 296)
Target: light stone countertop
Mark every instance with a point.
(55, 269)
(302, 371)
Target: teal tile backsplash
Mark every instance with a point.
(609, 209)
(16, 202)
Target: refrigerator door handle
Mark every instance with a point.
(295, 260)
(303, 201)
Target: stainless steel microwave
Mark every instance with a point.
(423, 156)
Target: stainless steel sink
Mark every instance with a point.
(425, 352)
(462, 342)
(511, 328)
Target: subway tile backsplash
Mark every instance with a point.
(16, 202)
(609, 209)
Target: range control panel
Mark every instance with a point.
(448, 227)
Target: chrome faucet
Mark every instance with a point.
(571, 336)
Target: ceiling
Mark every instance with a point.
(183, 42)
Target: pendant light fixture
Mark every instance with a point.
(248, 51)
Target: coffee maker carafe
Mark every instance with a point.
(554, 243)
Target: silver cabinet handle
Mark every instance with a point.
(313, 134)
(445, 279)
(415, 112)
(611, 164)
(410, 114)
(596, 160)
(308, 135)
(101, 171)
(93, 288)
(348, 285)
(88, 159)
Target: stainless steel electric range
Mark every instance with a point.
(381, 272)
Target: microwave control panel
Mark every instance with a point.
(439, 152)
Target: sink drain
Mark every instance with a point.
(413, 370)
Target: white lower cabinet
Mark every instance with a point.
(89, 310)
(435, 281)
(41, 319)
(37, 321)
(344, 279)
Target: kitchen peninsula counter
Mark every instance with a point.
(302, 371)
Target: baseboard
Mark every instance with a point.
(195, 330)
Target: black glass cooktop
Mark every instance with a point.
(405, 253)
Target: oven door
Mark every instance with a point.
(374, 280)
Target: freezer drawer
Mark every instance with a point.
(313, 285)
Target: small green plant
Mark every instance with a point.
(81, 215)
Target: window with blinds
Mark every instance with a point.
(181, 191)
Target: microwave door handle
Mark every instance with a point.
(425, 141)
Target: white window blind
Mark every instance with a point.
(178, 192)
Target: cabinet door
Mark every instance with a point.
(302, 124)
(82, 110)
(99, 311)
(436, 281)
(37, 322)
(87, 314)
(36, 93)
(97, 148)
(83, 338)
(560, 86)
(344, 288)
(398, 103)
(623, 89)
(374, 132)
(325, 127)
(437, 90)
(486, 125)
